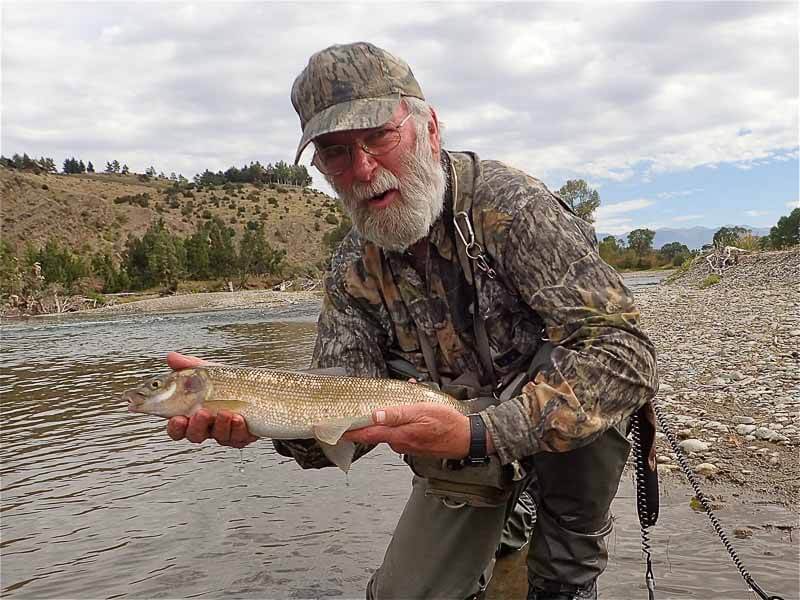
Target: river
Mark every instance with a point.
(99, 503)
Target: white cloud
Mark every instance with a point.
(793, 204)
(756, 213)
(684, 218)
(549, 88)
(616, 218)
(679, 193)
(626, 206)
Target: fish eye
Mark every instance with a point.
(155, 384)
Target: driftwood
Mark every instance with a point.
(303, 283)
(722, 259)
(30, 305)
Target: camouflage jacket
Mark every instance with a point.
(551, 282)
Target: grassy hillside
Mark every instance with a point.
(96, 212)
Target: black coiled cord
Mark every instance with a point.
(684, 465)
(645, 517)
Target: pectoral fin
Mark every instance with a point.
(329, 435)
(341, 454)
(331, 432)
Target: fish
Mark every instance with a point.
(283, 404)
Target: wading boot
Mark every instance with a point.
(549, 590)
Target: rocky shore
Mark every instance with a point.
(729, 362)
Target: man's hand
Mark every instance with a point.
(424, 429)
(229, 429)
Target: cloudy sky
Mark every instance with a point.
(678, 113)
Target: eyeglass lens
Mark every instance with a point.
(336, 159)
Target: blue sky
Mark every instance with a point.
(678, 113)
(710, 196)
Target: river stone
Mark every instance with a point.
(717, 426)
(742, 533)
(693, 445)
(706, 469)
(743, 420)
(745, 429)
(764, 433)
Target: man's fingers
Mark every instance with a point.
(199, 424)
(177, 361)
(222, 427)
(240, 434)
(374, 434)
(393, 416)
(176, 428)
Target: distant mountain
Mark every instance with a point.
(693, 237)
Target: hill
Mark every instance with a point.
(93, 213)
(693, 237)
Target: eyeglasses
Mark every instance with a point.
(335, 160)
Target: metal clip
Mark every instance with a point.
(468, 243)
(473, 249)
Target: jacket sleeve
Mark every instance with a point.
(603, 366)
(349, 338)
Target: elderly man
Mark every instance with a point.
(473, 276)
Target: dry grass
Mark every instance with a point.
(79, 211)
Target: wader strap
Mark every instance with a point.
(430, 357)
(462, 206)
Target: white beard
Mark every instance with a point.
(410, 217)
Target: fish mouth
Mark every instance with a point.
(134, 400)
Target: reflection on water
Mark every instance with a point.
(97, 502)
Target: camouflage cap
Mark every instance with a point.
(351, 86)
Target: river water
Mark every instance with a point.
(99, 503)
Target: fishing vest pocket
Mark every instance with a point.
(457, 485)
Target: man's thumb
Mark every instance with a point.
(391, 417)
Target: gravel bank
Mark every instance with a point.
(213, 301)
(729, 366)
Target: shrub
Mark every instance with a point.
(207, 214)
(142, 200)
(331, 218)
(712, 279)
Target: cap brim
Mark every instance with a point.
(363, 113)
